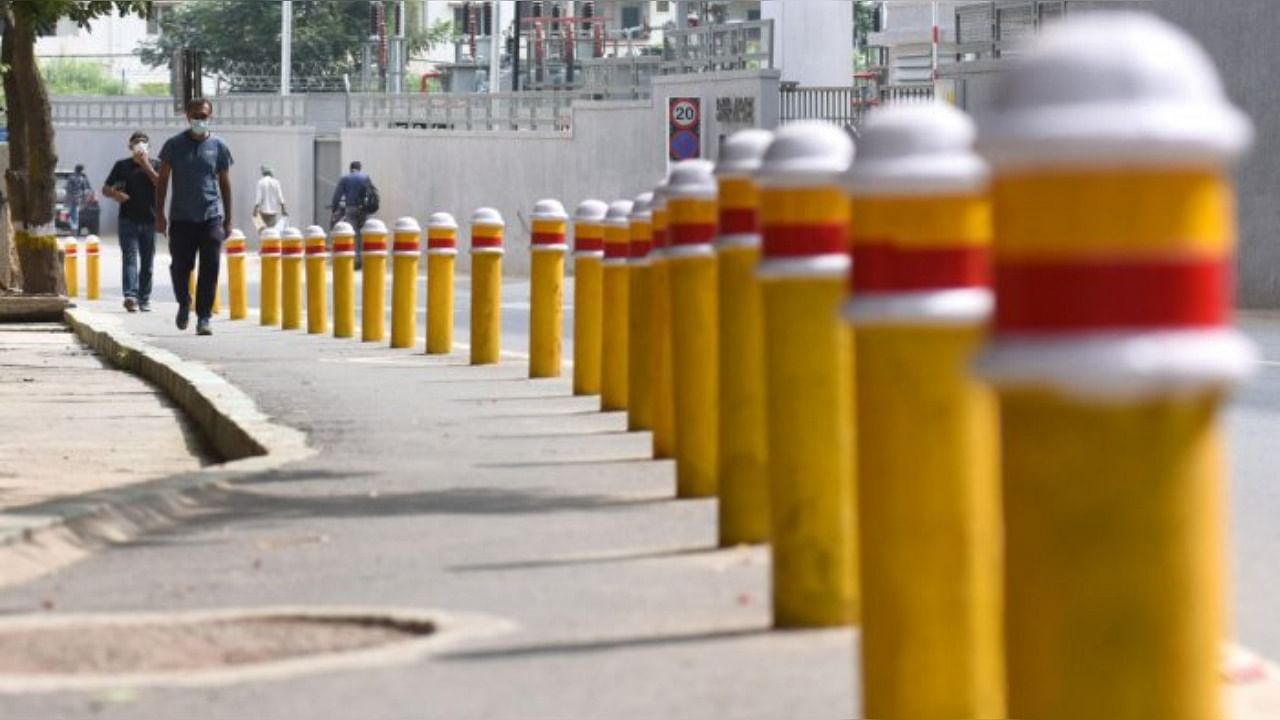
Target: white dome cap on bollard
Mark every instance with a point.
(236, 234)
(344, 229)
(917, 149)
(269, 234)
(808, 153)
(407, 225)
(619, 213)
(487, 216)
(692, 179)
(549, 209)
(591, 211)
(743, 152)
(1112, 89)
(442, 221)
(642, 207)
(374, 226)
(292, 233)
(315, 231)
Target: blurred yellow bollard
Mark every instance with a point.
(237, 282)
(928, 481)
(640, 317)
(344, 280)
(373, 296)
(588, 295)
(486, 286)
(93, 267)
(1112, 355)
(317, 289)
(269, 277)
(71, 266)
(808, 352)
(406, 251)
(442, 253)
(613, 345)
(292, 248)
(664, 400)
(744, 484)
(546, 288)
(691, 208)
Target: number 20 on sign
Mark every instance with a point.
(684, 138)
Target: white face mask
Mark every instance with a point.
(139, 148)
(200, 127)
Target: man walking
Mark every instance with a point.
(132, 183)
(352, 197)
(268, 203)
(78, 189)
(200, 167)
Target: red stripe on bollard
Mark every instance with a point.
(691, 234)
(739, 221)
(549, 239)
(796, 241)
(880, 267)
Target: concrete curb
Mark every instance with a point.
(36, 539)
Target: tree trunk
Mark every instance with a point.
(30, 177)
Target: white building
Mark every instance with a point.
(813, 40)
(111, 41)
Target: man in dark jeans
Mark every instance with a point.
(132, 183)
(348, 196)
(200, 166)
(78, 188)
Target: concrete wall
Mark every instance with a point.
(1241, 36)
(616, 150)
(289, 152)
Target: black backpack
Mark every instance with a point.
(369, 201)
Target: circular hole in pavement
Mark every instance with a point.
(83, 651)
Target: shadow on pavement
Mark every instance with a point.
(602, 559)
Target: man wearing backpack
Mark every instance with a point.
(354, 200)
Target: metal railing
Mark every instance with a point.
(844, 106)
(256, 110)
(619, 78)
(1001, 28)
(714, 48)
(545, 111)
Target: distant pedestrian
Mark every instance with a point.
(268, 203)
(200, 167)
(132, 183)
(354, 200)
(77, 189)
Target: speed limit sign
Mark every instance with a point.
(685, 112)
(684, 136)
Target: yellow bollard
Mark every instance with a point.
(216, 308)
(588, 295)
(373, 296)
(928, 484)
(486, 286)
(640, 317)
(317, 290)
(71, 266)
(546, 291)
(291, 291)
(664, 401)
(442, 253)
(691, 209)
(809, 400)
(406, 250)
(615, 298)
(344, 280)
(1112, 355)
(93, 267)
(744, 484)
(237, 283)
(269, 280)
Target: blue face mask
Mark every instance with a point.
(200, 127)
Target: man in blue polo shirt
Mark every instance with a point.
(199, 218)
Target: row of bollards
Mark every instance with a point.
(966, 387)
(92, 267)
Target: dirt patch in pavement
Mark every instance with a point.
(185, 645)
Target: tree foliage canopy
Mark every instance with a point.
(243, 36)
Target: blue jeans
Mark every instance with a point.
(74, 218)
(137, 239)
(187, 240)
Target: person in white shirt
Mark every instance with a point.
(269, 201)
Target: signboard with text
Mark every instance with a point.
(684, 120)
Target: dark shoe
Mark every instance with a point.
(184, 317)
(144, 306)
(130, 304)
(202, 327)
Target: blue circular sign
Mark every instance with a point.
(685, 145)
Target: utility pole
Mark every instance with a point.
(495, 49)
(286, 46)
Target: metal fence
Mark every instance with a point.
(545, 111)
(1001, 28)
(262, 110)
(844, 106)
(715, 48)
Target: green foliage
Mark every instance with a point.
(48, 12)
(864, 18)
(69, 76)
(239, 34)
(153, 89)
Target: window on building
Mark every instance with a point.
(631, 16)
(156, 16)
(753, 14)
(664, 6)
